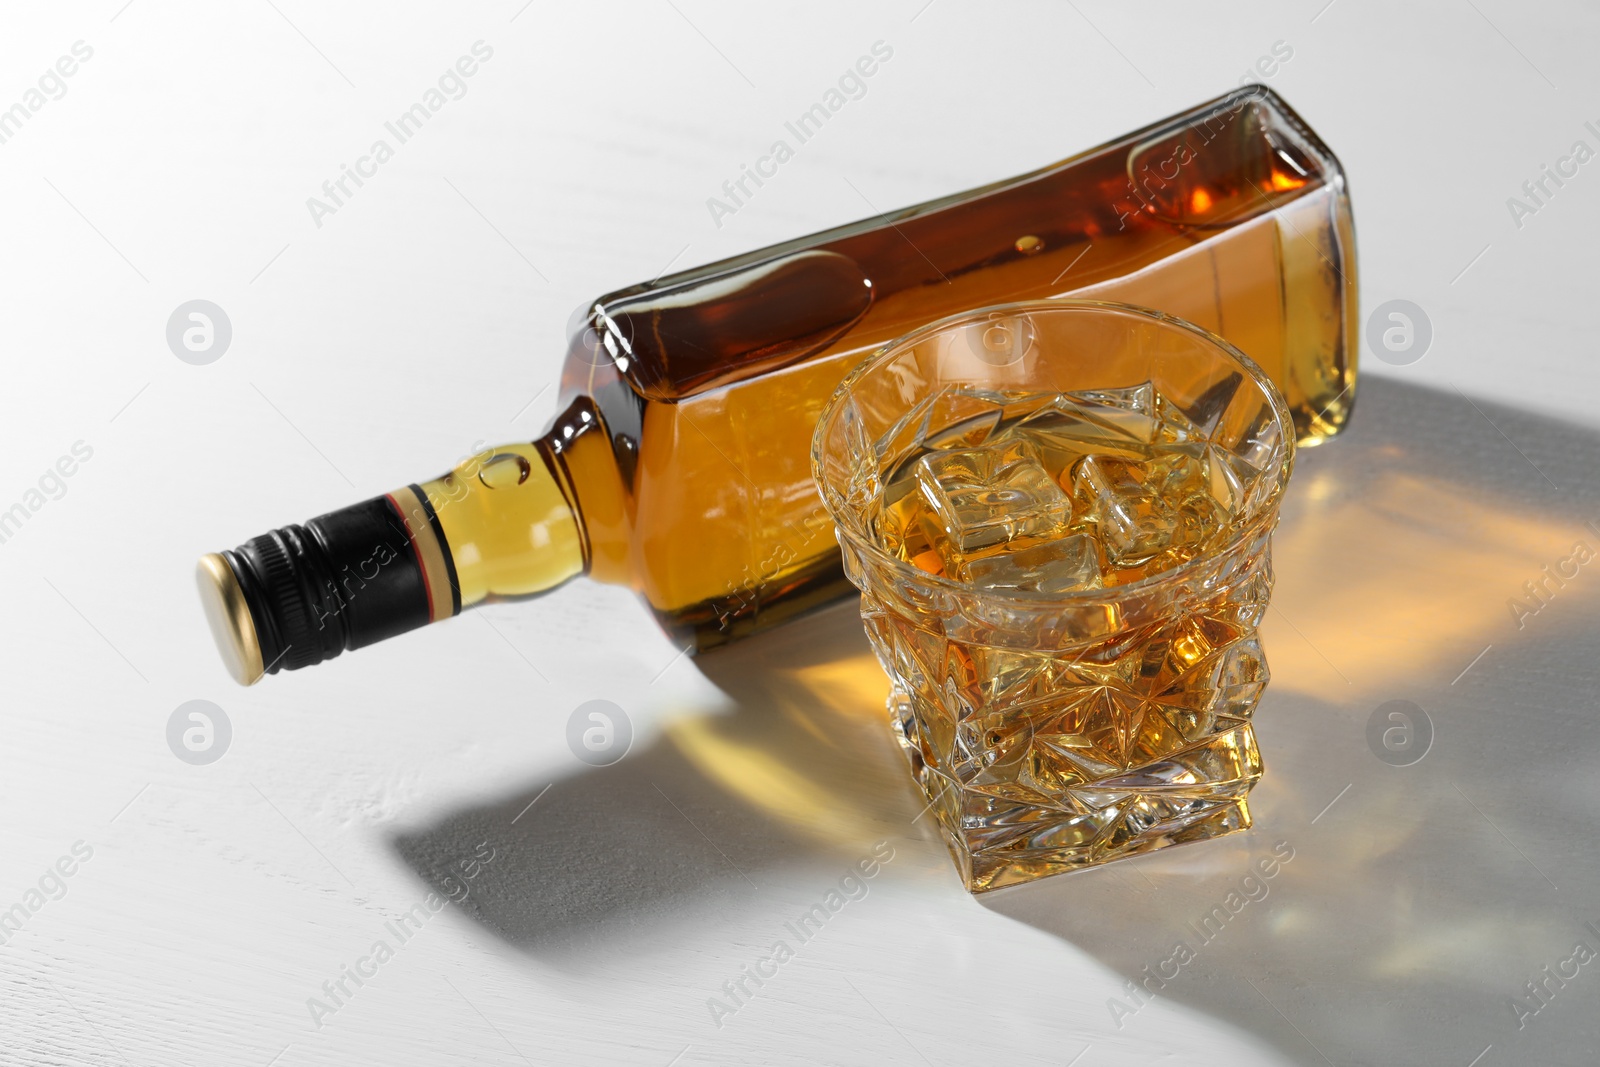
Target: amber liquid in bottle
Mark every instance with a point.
(679, 465)
(709, 383)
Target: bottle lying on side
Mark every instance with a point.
(679, 462)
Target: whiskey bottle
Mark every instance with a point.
(678, 464)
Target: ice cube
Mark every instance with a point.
(1063, 436)
(962, 418)
(1140, 398)
(1177, 472)
(1154, 514)
(1141, 413)
(1019, 405)
(1125, 422)
(1175, 425)
(903, 531)
(1061, 565)
(1133, 518)
(987, 496)
(1233, 483)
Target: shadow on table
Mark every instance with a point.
(800, 774)
(1416, 901)
(1419, 899)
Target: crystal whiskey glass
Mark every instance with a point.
(1059, 516)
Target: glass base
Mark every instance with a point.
(999, 841)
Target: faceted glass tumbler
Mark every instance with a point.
(1052, 730)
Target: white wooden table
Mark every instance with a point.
(372, 344)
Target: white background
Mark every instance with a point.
(429, 313)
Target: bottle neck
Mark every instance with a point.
(508, 522)
(503, 523)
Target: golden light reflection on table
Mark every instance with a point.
(1395, 577)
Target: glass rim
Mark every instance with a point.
(1267, 513)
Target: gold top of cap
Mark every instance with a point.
(229, 617)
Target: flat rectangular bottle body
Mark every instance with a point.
(1233, 216)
